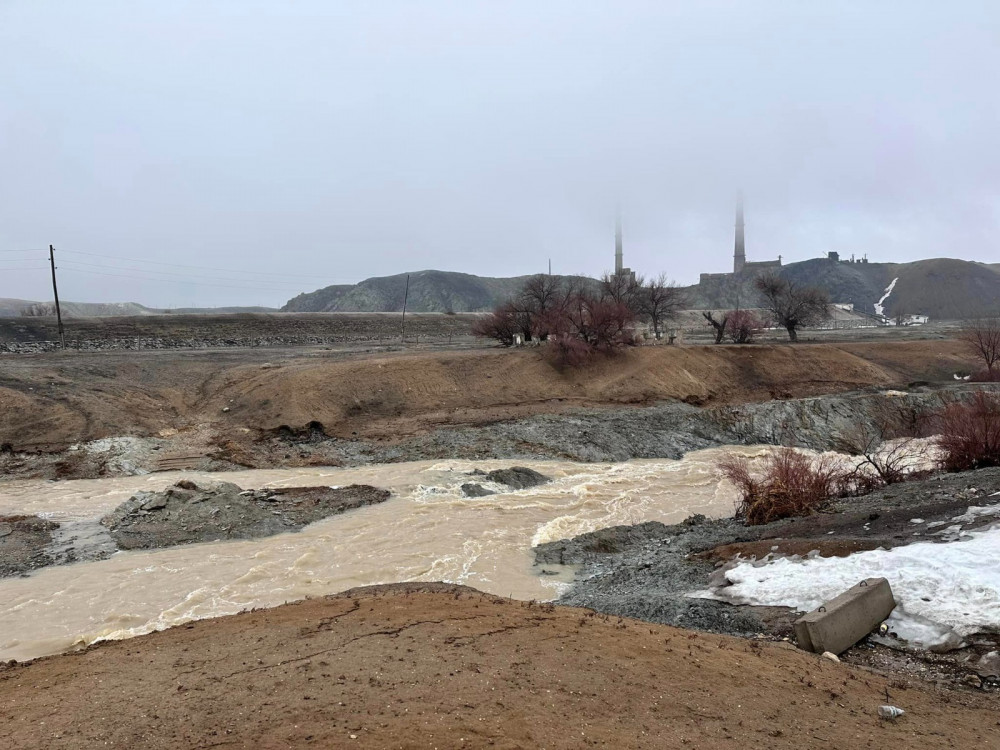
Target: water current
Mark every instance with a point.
(427, 531)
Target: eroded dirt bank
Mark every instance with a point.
(53, 401)
(416, 666)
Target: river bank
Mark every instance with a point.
(607, 434)
(421, 665)
(650, 571)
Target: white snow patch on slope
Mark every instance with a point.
(940, 589)
(879, 309)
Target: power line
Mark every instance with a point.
(184, 265)
(181, 276)
(174, 281)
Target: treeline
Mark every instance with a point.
(580, 320)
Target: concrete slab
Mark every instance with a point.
(846, 619)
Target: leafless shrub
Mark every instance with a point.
(784, 484)
(886, 440)
(743, 326)
(969, 433)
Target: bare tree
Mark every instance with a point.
(718, 325)
(793, 305)
(982, 337)
(541, 293)
(622, 289)
(659, 300)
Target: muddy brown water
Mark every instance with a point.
(427, 531)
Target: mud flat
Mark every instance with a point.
(430, 665)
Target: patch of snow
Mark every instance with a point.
(879, 308)
(944, 591)
(977, 511)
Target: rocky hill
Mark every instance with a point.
(430, 291)
(942, 288)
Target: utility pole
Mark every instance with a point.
(406, 293)
(55, 294)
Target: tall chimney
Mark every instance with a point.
(618, 243)
(740, 254)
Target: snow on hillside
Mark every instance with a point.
(880, 305)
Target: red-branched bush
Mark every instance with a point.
(969, 433)
(743, 326)
(785, 483)
(587, 326)
(986, 376)
(501, 324)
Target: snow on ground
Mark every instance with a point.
(879, 309)
(944, 591)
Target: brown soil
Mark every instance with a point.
(410, 666)
(51, 401)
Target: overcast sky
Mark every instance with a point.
(314, 142)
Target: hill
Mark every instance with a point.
(430, 291)
(13, 308)
(942, 288)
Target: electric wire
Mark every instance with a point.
(185, 265)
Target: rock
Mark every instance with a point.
(6, 529)
(471, 489)
(890, 712)
(989, 665)
(518, 477)
(830, 656)
(973, 680)
(154, 503)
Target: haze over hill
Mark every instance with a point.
(429, 291)
(942, 288)
(13, 308)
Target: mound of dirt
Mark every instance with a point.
(51, 402)
(430, 665)
(23, 541)
(189, 512)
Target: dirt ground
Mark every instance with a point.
(51, 401)
(424, 666)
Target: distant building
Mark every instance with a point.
(620, 269)
(740, 264)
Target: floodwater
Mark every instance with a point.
(427, 531)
